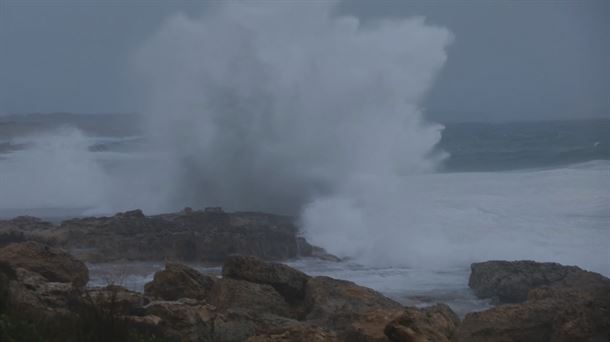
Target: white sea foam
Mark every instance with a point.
(452, 219)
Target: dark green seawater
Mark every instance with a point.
(524, 145)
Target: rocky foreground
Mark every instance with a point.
(256, 300)
(208, 235)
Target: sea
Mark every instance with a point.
(543, 186)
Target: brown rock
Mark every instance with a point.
(289, 282)
(52, 263)
(260, 298)
(510, 281)
(297, 333)
(370, 326)
(236, 325)
(436, 323)
(550, 314)
(32, 296)
(115, 299)
(179, 281)
(23, 228)
(182, 320)
(336, 303)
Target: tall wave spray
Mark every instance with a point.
(271, 106)
(288, 108)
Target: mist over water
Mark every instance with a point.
(289, 108)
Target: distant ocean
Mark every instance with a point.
(537, 190)
(472, 146)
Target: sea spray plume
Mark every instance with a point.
(55, 170)
(268, 106)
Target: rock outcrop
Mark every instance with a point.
(230, 293)
(179, 281)
(261, 301)
(289, 282)
(52, 263)
(334, 303)
(297, 333)
(191, 236)
(510, 281)
(32, 295)
(370, 327)
(562, 303)
(559, 315)
(436, 323)
(22, 228)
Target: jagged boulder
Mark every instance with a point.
(230, 293)
(436, 323)
(297, 333)
(179, 281)
(510, 281)
(237, 324)
(189, 236)
(334, 303)
(52, 263)
(23, 228)
(370, 326)
(116, 299)
(183, 320)
(32, 295)
(562, 303)
(289, 282)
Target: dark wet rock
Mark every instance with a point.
(181, 320)
(562, 303)
(510, 281)
(289, 282)
(52, 263)
(238, 324)
(529, 321)
(334, 303)
(116, 299)
(229, 293)
(308, 250)
(435, 323)
(23, 228)
(32, 295)
(190, 235)
(370, 326)
(179, 281)
(297, 333)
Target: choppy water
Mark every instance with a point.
(516, 190)
(414, 287)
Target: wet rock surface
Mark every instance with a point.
(209, 235)
(289, 282)
(261, 301)
(510, 281)
(52, 263)
(336, 303)
(562, 303)
(179, 281)
(435, 323)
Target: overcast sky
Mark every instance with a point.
(522, 60)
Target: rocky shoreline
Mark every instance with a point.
(256, 300)
(208, 235)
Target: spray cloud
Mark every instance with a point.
(269, 106)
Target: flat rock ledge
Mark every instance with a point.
(209, 235)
